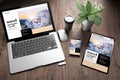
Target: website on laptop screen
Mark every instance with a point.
(27, 21)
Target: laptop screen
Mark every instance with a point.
(27, 21)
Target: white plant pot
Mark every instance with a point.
(86, 25)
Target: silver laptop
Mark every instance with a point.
(31, 36)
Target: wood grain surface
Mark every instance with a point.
(72, 70)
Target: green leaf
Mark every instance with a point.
(88, 7)
(91, 18)
(95, 10)
(81, 7)
(97, 20)
(82, 15)
(79, 20)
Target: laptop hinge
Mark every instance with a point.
(29, 37)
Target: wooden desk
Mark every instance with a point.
(72, 70)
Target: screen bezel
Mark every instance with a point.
(30, 36)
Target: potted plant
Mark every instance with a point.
(89, 14)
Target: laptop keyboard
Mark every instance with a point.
(34, 45)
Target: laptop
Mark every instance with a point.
(31, 36)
